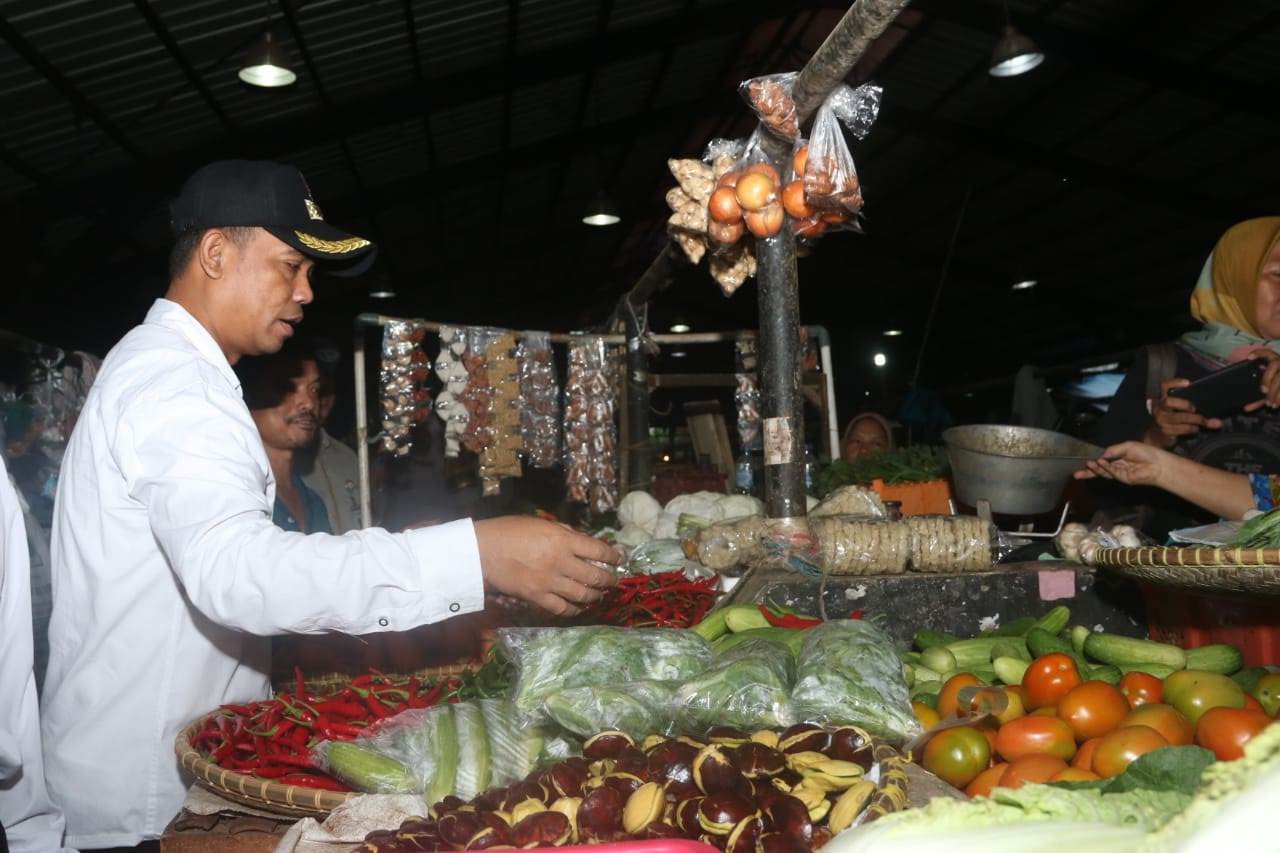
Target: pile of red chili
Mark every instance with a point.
(272, 739)
(663, 600)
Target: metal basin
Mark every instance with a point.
(1020, 470)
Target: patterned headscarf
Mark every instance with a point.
(1226, 294)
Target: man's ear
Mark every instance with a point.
(213, 253)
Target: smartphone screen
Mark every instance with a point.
(1225, 392)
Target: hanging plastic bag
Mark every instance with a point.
(499, 457)
(590, 431)
(539, 400)
(405, 400)
(830, 178)
(746, 396)
(770, 98)
(453, 375)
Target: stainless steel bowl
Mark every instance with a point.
(1020, 470)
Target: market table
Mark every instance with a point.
(208, 823)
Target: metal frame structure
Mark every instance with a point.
(366, 321)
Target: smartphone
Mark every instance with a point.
(1225, 392)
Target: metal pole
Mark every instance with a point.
(639, 472)
(362, 423)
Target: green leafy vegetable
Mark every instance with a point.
(639, 708)
(747, 687)
(1261, 531)
(916, 464)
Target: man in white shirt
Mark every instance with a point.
(27, 817)
(168, 574)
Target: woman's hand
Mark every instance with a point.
(1270, 380)
(1174, 417)
(1132, 463)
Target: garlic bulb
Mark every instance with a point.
(1126, 536)
(1068, 540)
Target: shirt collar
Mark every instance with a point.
(171, 315)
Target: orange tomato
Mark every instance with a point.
(1032, 768)
(948, 696)
(1172, 725)
(1047, 711)
(990, 734)
(1084, 755)
(1049, 678)
(1093, 709)
(1122, 747)
(986, 781)
(1075, 774)
(1251, 704)
(926, 715)
(1225, 731)
(1140, 688)
(1035, 736)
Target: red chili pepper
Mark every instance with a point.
(312, 780)
(270, 772)
(857, 614)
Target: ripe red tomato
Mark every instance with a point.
(1034, 735)
(957, 755)
(1049, 678)
(1171, 724)
(1251, 704)
(949, 695)
(1032, 768)
(986, 781)
(1122, 747)
(1093, 709)
(1084, 755)
(1225, 731)
(1140, 688)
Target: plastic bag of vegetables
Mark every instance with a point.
(848, 672)
(639, 708)
(551, 660)
(747, 687)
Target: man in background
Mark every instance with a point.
(329, 467)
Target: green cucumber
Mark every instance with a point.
(1110, 648)
(911, 657)
(925, 697)
(909, 675)
(975, 652)
(1219, 657)
(926, 638)
(1040, 642)
(713, 626)
(1107, 672)
(1017, 628)
(1014, 647)
(1158, 670)
(1010, 670)
(924, 674)
(939, 659)
(1053, 621)
(1079, 634)
(985, 674)
(744, 617)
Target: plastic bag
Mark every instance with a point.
(453, 373)
(590, 431)
(655, 556)
(733, 258)
(951, 543)
(639, 708)
(727, 544)
(746, 396)
(851, 500)
(849, 545)
(539, 400)
(770, 98)
(549, 660)
(405, 401)
(830, 178)
(848, 672)
(499, 457)
(747, 687)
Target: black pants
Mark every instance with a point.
(144, 847)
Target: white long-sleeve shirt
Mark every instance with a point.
(168, 576)
(30, 820)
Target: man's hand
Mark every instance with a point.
(1174, 417)
(544, 563)
(1132, 463)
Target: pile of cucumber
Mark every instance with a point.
(1003, 655)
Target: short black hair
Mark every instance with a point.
(184, 245)
(265, 380)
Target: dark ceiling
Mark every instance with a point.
(468, 136)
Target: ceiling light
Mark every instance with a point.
(879, 359)
(382, 293)
(681, 328)
(678, 353)
(892, 333)
(1014, 54)
(1026, 284)
(266, 65)
(601, 212)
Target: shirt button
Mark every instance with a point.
(383, 622)
(455, 607)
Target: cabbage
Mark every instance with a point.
(708, 507)
(641, 510)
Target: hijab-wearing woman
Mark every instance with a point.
(1237, 302)
(866, 433)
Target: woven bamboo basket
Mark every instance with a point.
(267, 794)
(1255, 571)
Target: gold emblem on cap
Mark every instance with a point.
(332, 247)
(313, 209)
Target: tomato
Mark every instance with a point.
(1140, 688)
(1171, 725)
(1048, 711)
(926, 715)
(1035, 736)
(1122, 747)
(1093, 709)
(1032, 768)
(1049, 678)
(1267, 692)
(1251, 704)
(949, 695)
(1075, 774)
(1019, 691)
(986, 781)
(1004, 705)
(1193, 692)
(1084, 755)
(957, 755)
(1225, 731)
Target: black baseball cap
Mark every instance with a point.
(272, 196)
